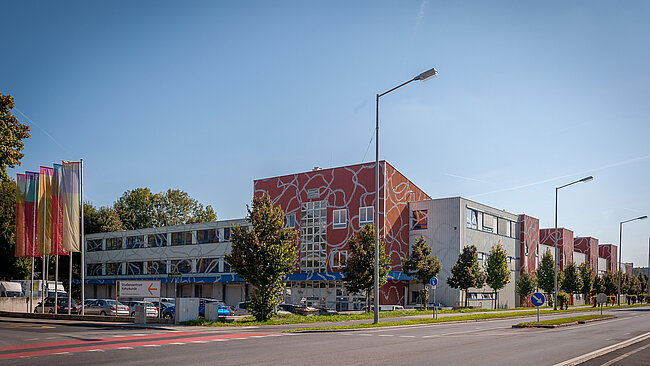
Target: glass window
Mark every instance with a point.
(226, 266)
(313, 228)
(472, 218)
(134, 242)
(94, 245)
(340, 219)
(134, 268)
(181, 265)
(94, 269)
(157, 267)
(207, 265)
(503, 226)
(290, 221)
(182, 238)
(113, 243)
(420, 219)
(366, 215)
(339, 258)
(226, 234)
(113, 269)
(513, 229)
(157, 240)
(488, 223)
(207, 236)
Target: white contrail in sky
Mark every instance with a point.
(466, 178)
(624, 162)
(45, 132)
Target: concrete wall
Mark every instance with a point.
(18, 304)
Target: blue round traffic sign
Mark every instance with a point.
(433, 281)
(537, 299)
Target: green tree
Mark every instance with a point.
(587, 278)
(422, 266)
(176, 207)
(467, 272)
(572, 282)
(546, 273)
(496, 268)
(12, 132)
(598, 286)
(11, 268)
(264, 255)
(633, 285)
(136, 208)
(610, 283)
(525, 286)
(359, 269)
(104, 219)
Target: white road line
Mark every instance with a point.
(199, 342)
(604, 350)
(408, 336)
(178, 343)
(125, 348)
(151, 345)
(365, 335)
(62, 353)
(386, 335)
(463, 332)
(625, 355)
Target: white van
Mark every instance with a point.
(11, 289)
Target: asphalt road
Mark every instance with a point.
(478, 343)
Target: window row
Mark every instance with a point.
(200, 265)
(160, 240)
(490, 223)
(340, 217)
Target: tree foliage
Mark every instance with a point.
(104, 219)
(422, 266)
(467, 272)
(264, 255)
(11, 268)
(571, 281)
(359, 269)
(136, 208)
(526, 285)
(587, 278)
(546, 273)
(496, 269)
(610, 283)
(12, 132)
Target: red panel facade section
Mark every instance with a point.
(564, 243)
(529, 242)
(351, 188)
(609, 252)
(588, 246)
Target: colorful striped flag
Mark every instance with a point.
(21, 188)
(31, 217)
(57, 212)
(70, 202)
(45, 211)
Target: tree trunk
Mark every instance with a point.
(466, 297)
(496, 294)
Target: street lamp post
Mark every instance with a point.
(620, 239)
(421, 77)
(557, 255)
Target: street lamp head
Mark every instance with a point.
(427, 75)
(588, 179)
(643, 217)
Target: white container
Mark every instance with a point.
(187, 308)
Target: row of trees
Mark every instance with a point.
(140, 208)
(578, 279)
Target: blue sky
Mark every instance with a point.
(207, 96)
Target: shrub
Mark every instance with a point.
(563, 300)
(593, 300)
(631, 299)
(611, 299)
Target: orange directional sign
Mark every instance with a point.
(138, 288)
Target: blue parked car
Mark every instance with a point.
(169, 310)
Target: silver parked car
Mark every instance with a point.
(106, 307)
(150, 308)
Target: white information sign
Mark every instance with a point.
(138, 288)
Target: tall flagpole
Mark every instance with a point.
(44, 259)
(56, 282)
(83, 238)
(33, 251)
(69, 282)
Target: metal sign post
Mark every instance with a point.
(601, 298)
(434, 282)
(537, 299)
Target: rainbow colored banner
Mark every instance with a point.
(31, 217)
(21, 188)
(45, 211)
(57, 211)
(70, 197)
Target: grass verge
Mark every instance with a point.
(299, 319)
(568, 320)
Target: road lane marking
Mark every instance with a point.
(604, 350)
(386, 335)
(625, 355)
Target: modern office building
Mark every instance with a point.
(587, 247)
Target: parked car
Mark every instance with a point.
(327, 311)
(242, 308)
(62, 307)
(168, 310)
(150, 308)
(298, 309)
(223, 310)
(106, 307)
